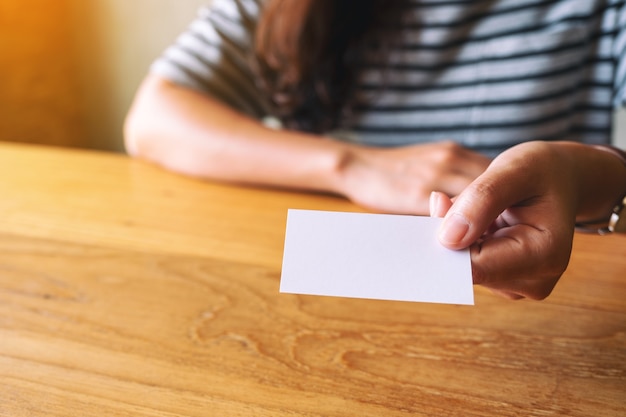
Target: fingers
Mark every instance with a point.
(521, 261)
(453, 183)
(474, 163)
(455, 167)
(504, 184)
(399, 180)
(439, 204)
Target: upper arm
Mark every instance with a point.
(213, 56)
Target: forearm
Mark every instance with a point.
(193, 134)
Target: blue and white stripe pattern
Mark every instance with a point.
(488, 74)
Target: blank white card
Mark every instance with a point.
(377, 256)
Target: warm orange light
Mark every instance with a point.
(38, 94)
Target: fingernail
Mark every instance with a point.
(433, 203)
(453, 229)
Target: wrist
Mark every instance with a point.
(349, 167)
(341, 156)
(294, 160)
(601, 179)
(616, 222)
(335, 160)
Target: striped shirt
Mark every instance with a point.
(487, 74)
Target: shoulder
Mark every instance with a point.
(235, 20)
(234, 10)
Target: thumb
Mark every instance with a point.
(504, 184)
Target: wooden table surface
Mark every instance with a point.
(126, 290)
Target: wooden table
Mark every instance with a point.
(126, 290)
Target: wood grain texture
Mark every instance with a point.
(107, 199)
(128, 291)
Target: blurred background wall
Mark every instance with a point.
(69, 68)
(39, 95)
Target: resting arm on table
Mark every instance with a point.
(194, 134)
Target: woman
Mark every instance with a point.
(385, 101)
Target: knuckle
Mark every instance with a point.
(451, 146)
(448, 152)
(480, 269)
(479, 275)
(556, 257)
(544, 289)
(484, 189)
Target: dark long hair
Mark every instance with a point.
(308, 55)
